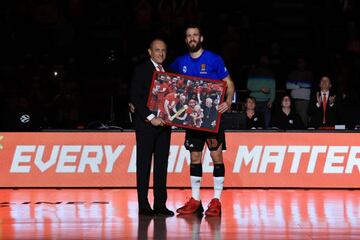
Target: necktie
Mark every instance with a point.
(160, 68)
(324, 107)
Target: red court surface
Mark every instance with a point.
(112, 214)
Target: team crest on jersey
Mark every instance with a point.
(184, 69)
(203, 68)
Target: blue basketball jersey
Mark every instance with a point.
(208, 65)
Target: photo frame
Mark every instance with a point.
(186, 101)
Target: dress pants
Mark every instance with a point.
(154, 142)
(261, 107)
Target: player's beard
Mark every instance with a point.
(195, 48)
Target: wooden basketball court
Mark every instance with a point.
(246, 214)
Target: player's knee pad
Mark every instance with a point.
(219, 170)
(196, 170)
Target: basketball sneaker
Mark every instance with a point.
(214, 208)
(192, 206)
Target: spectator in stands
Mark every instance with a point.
(299, 83)
(254, 120)
(323, 106)
(261, 84)
(347, 71)
(286, 118)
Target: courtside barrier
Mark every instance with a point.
(252, 159)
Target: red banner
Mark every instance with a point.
(253, 159)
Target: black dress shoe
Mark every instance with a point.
(146, 212)
(163, 212)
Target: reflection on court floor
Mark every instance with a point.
(246, 214)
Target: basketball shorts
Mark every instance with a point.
(195, 140)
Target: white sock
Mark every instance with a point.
(218, 186)
(195, 187)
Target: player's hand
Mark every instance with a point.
(157, 121)
(223, 107)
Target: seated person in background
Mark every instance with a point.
(323, 106)
(286, 118)
(254, 120)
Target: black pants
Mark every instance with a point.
(152, 143)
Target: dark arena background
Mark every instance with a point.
(67, 140)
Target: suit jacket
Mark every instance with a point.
(140, 88)
(316, 113)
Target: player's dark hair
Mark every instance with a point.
(193, 26)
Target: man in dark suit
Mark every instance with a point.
(323, 106)
(152, 137)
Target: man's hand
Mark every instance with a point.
(265, 90)
(157, 121)
(332, 99)
(269, 104)
(224, 107)
(318, 98)
(131, 107)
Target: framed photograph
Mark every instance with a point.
(186, 101)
